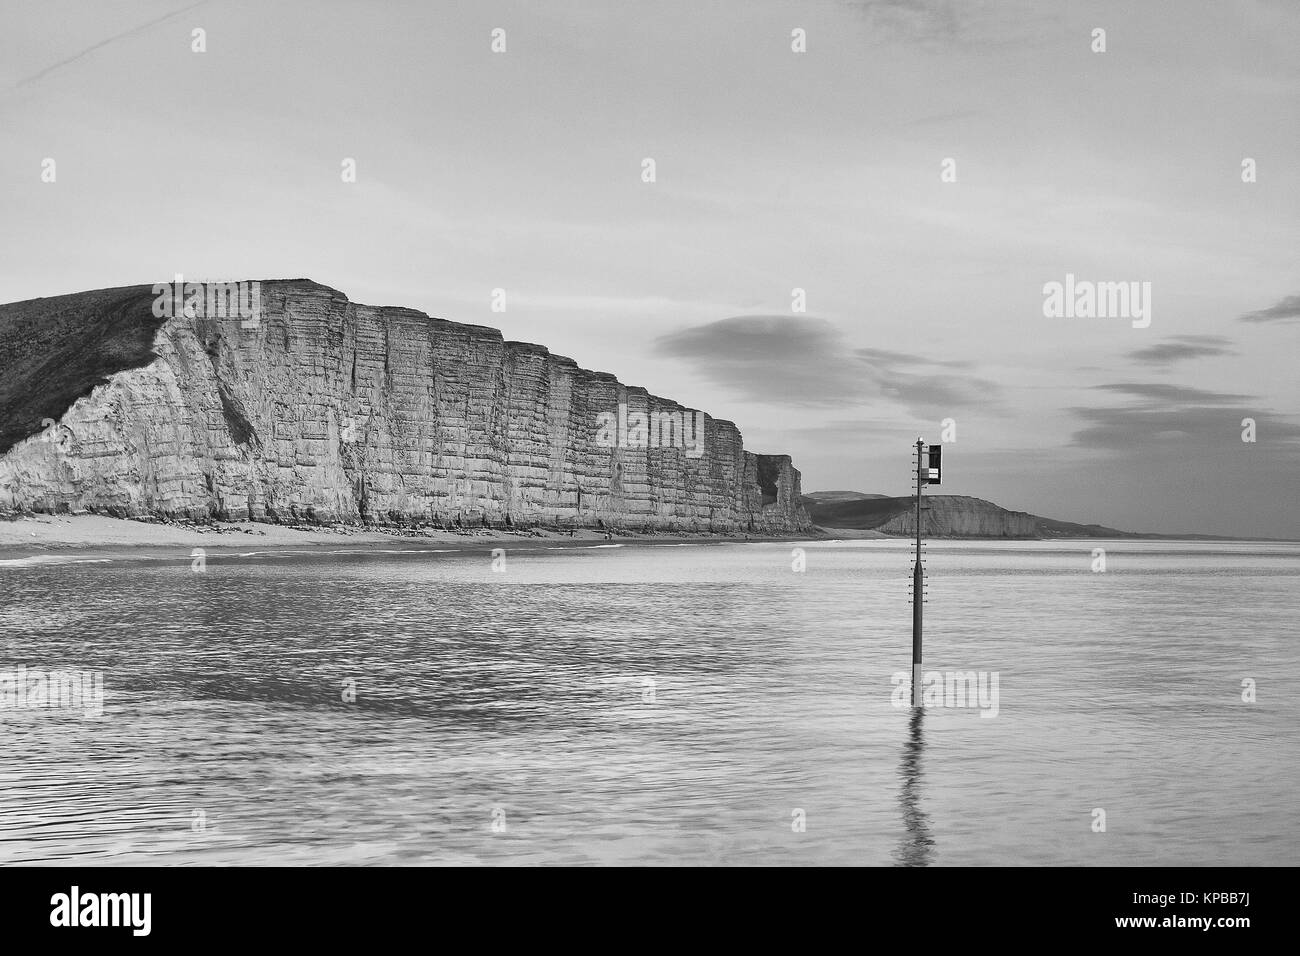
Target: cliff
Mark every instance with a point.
(325, 410)
(945, 516)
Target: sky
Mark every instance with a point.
(921, 170)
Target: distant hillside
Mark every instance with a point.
(823, 497)
(955, 516)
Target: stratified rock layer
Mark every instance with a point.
(959, 516)
(331, 411)
(945, 516)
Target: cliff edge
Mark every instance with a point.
(325, 410)
(945, 516)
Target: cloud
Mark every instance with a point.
(103, 43)
(805, 362)
(940, 119)
(961, 22)
(1288, 310)
(771, 358)
(835, 432)
(1179, 394)
(1162, 414)
(1182, 347)
(884, 357)
(1134, 428)
(904, 378)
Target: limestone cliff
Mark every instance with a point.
(328, 410)
(944, 516)
(958, 516)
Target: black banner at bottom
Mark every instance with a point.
(337, 906)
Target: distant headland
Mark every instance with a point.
(857, 514)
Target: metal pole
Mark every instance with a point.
(916, 588)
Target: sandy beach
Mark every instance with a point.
(28, 534)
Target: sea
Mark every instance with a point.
(542, 702)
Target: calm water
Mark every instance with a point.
(656, 704)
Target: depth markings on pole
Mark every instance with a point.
(927, 473)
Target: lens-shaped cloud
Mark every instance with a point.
(804, 361)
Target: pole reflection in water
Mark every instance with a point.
(916, 847)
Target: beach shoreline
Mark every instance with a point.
(30, 534)
(25, 534)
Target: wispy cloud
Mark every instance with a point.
(1133, 428)
(1288, 310)
(1181, 394)
(923, 386)
(1179, 348)
(939, 22)
(1158, 414)
(140, 28)
(884, 357)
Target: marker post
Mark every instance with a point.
(928, 472)
(916, 581)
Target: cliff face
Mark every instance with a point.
(327, 410)
(954, 516)
(957, 516)
(945, 516)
